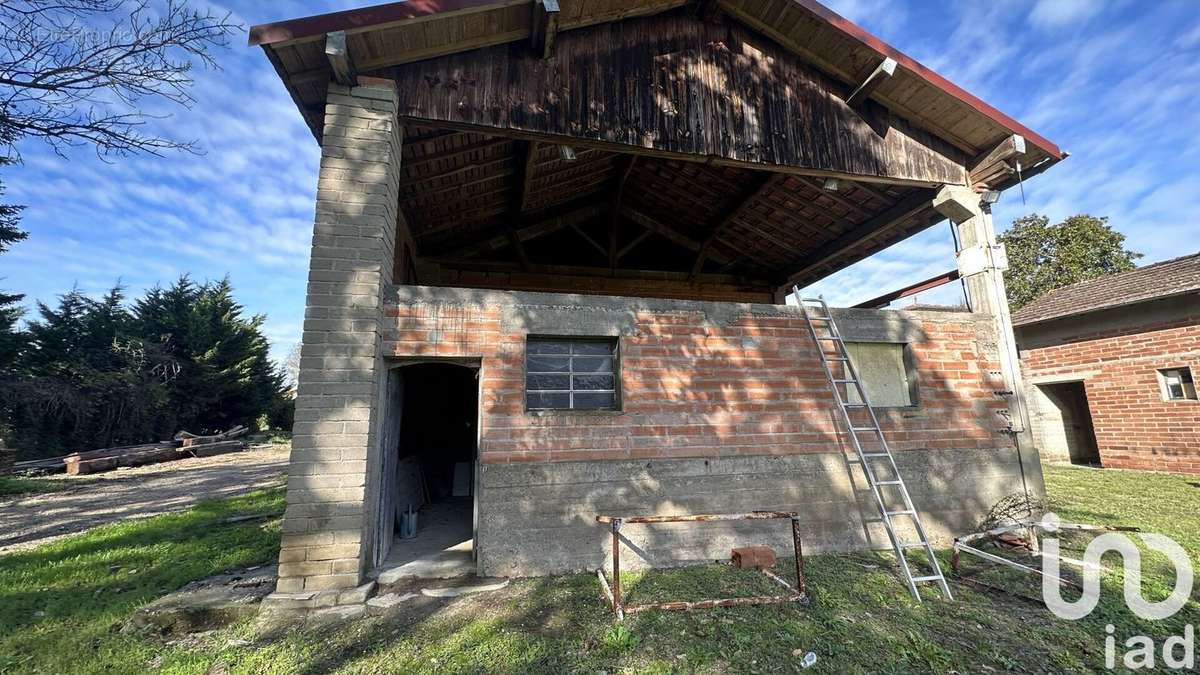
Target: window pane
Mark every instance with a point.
(548, 364)
(592, 348)
(571, 374)
(540, 381)
(542, 400)
(595, 401)
(593, 364)
(548, 347)
(591, 382)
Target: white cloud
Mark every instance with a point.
(1059, 13)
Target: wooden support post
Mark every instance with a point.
(981, 264)
(544, 28)
(877, 77)
(339, 59)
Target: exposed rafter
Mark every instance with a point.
(893, 218)
(339, 59)
(669, 233)
(763, 184)
(882, 72)
(624, 168)
(548, 224)
(544, 29)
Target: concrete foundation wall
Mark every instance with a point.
(540, 519)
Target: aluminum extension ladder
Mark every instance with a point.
(839, 360)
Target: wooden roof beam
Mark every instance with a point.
(882, 72)
(339, 59)
(761, 186)
(669, 233)
(885, 222)
(533, 230)
(544, 29)
(993, 164)
(624, 168)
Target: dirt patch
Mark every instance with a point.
(137, 492)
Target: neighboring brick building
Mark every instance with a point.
(540, 292)
(1111, 365)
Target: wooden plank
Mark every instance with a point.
(894, 217)
(700, 73)
(339, 59)
(877, 77)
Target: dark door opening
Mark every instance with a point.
(1067, 423)
(435, 462)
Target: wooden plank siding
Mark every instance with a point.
(674, 84)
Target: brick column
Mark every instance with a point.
(329, 517)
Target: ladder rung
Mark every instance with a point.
(876, 454)
(836, 358)
(931, 577)
(854, 405)
(889, 482)
(845, 381)
(864, 429)
(905, 512)
(820, 318)
(829, 337)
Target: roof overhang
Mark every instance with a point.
(403, 32)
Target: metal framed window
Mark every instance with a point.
(571, 373)
(1177, 384)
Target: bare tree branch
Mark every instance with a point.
(66, 81)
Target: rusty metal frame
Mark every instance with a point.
(612, 592)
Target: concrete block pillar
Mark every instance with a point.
(979, 264)
(329, 519)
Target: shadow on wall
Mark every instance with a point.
(747, 407)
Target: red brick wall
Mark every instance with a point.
(1135, 428)
(697, 388)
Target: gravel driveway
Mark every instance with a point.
(136, 492)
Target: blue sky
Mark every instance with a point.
(1114, 83)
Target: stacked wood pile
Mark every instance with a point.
(209, 446)
(183, 445)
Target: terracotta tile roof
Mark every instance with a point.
(1170, 277)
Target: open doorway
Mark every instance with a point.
(433, 452)
(1065, 421)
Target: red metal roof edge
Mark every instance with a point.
(310, 26)
(920, 70)
(348, 19)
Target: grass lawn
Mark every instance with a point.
(59, 605)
